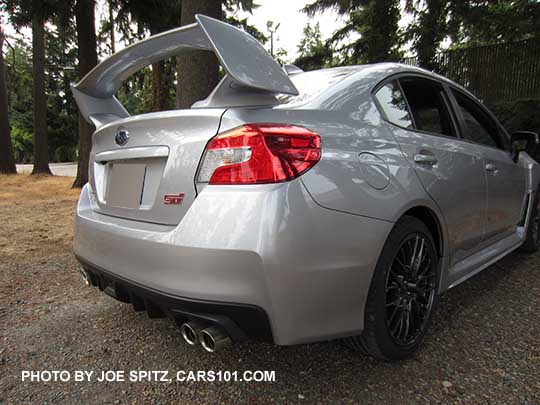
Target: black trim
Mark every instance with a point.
(448, 86)
(502, 134)
(241, 321)
(396, 78)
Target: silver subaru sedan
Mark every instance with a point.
(293, 206)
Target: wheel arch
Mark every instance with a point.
(434, 223)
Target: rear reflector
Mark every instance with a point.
(260, 153)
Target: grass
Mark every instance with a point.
(36, 217)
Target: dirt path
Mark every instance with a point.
(484, 345)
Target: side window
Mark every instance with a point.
(479, 127)
(393, 104)
(428, 107)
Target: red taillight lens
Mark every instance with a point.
(260, 153)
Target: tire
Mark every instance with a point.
(400, 292)
(532, 242)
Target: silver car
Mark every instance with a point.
(296, 207)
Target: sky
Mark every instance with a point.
(292, 22)
(284, 12)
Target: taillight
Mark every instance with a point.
(260, 153)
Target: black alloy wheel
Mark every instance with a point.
(410, 290)
(402, 295)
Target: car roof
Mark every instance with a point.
(377, 71)
(322, 82)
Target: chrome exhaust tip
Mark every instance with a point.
(214, 338)
(191, 330)
(86, 276)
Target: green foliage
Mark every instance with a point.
(22, 143)
(468, 23)
(19, 85)
(314, 52)
(152, 15)
(61, 107)
(62, 112)
(428, 28)
(243, 24)
(231, 6)
(481, 22)
(370, 33)
(20, 12)
(521, 115)
(65, 153)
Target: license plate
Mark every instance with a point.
(125, 185)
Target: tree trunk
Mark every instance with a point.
(7, 163)
(111, 21)
(87, 52)
(41, 147)
(159, 92)
(198, 71)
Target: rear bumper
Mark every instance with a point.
(240, 321)
(271, 247)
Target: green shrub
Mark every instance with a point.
(23, 146)
(521, 115)
(65, 153)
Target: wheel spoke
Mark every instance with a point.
(426, 267)
(393, 315)
(407, 321)
(400, 263)
(393, 303)
(413, 255)
(400, 324)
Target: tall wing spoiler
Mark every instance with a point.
(244, 59)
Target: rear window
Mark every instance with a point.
(394, 105)
(311, 84)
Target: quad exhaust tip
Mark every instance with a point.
(214, 338)
(86, 276)
(211, 338)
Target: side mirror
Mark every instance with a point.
(524, 141)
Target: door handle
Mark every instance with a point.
(425, 159)
(490, 167)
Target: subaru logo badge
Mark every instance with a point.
(122, 137)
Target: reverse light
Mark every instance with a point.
(260, 153)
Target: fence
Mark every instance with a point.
(494, 73)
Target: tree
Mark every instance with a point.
(19, 79)
(480, 22)
(41, 148)
(314, 53)
(87, 52)
(198, 71)
(60, 57)
(373, 22)
(25, 13)
(154, 16)
(428, 29)
(7, 163)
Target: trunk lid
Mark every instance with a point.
(143, 168)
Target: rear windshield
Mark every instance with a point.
(311, 84)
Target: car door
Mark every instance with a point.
(506, 180)
(450, 169)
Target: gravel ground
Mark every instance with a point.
(483, 347)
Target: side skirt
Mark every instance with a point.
(482, 259)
